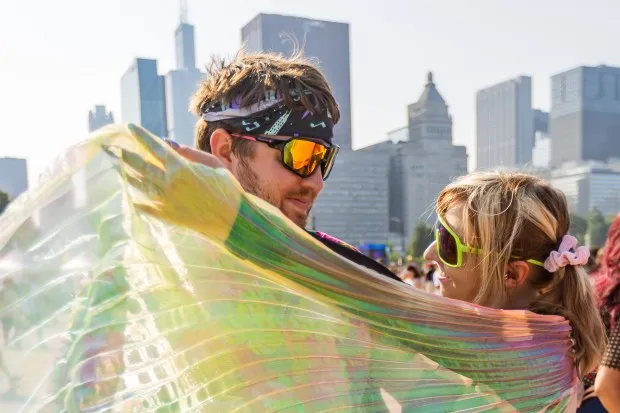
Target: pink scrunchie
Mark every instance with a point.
(564, 256)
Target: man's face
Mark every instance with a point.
(264, 176)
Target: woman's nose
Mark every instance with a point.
(431, 252)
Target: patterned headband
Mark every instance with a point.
(271, 116)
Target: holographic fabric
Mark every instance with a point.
(133, 281)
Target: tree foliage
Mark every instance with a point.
(578, 228)
(422, 238)
(4, 201)
(597, 229)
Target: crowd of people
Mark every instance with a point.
(423, 277)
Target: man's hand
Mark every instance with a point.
(172, 189)
(195, 155)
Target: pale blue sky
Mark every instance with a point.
(59, 58)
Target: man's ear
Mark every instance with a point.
(221, 146)
(516, 274)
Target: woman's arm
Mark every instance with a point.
(607, 388)
(607, 384)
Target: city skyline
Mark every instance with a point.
(383, 76)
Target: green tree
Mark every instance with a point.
(578, 228)
(4, 201)
(597, 229)
(422, 238)
(393, 255)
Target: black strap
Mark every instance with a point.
(356, 257)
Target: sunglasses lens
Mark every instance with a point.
(303, 156)
(328, 162)
(446, 246)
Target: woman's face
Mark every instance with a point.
(461, 283)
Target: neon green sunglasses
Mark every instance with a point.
(450, 249)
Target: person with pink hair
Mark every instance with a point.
(603, 386)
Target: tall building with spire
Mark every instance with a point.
(182, 82)
(184, 41)
(422, 165)
(429, 117)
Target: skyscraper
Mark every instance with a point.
(323, 41)
(13, 176)
(585, 114)
(99, 117)
(181, 84)
(142, 97)
(429, 160)
(541, 154)
(423, 165)
(354, 202)
(185, 49)
(347, 208)
(504, 127)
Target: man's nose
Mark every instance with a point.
(314, 182)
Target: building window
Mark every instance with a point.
(563, 89)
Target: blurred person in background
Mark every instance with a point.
(431, 284)
(602, 388)
(395, 268)
(593, 264)
(413, 276)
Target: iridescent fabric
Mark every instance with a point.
(133, 281)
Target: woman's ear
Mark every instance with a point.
(516, 273)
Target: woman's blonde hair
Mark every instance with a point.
(508, 215)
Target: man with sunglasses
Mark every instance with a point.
(269, 120)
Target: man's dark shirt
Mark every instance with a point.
(352, 254)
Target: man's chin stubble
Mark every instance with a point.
(249, 182)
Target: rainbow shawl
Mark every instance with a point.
(134, 281)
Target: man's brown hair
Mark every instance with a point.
(247, 77)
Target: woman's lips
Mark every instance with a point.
(442, 277)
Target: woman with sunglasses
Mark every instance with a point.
(502, 242)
